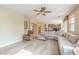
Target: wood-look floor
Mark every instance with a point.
(33, 47)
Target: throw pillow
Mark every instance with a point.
(73, 39)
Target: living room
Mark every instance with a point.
(39, 29)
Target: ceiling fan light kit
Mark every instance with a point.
(42, 11)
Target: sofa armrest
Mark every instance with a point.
(62, 42)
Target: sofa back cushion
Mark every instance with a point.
(67, 35)
(60, 33)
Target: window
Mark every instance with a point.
(72, 24)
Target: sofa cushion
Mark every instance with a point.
(73, 39)
(77, 43)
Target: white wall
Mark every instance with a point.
(11, 26)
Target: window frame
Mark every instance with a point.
(72, 24)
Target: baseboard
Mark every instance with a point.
(10, 43)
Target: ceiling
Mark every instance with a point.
(59, 11)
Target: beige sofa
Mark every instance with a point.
(66, 43)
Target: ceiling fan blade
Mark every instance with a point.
(38, 13)
(47, 11)
(36, 10)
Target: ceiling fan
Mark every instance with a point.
(42, 11)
